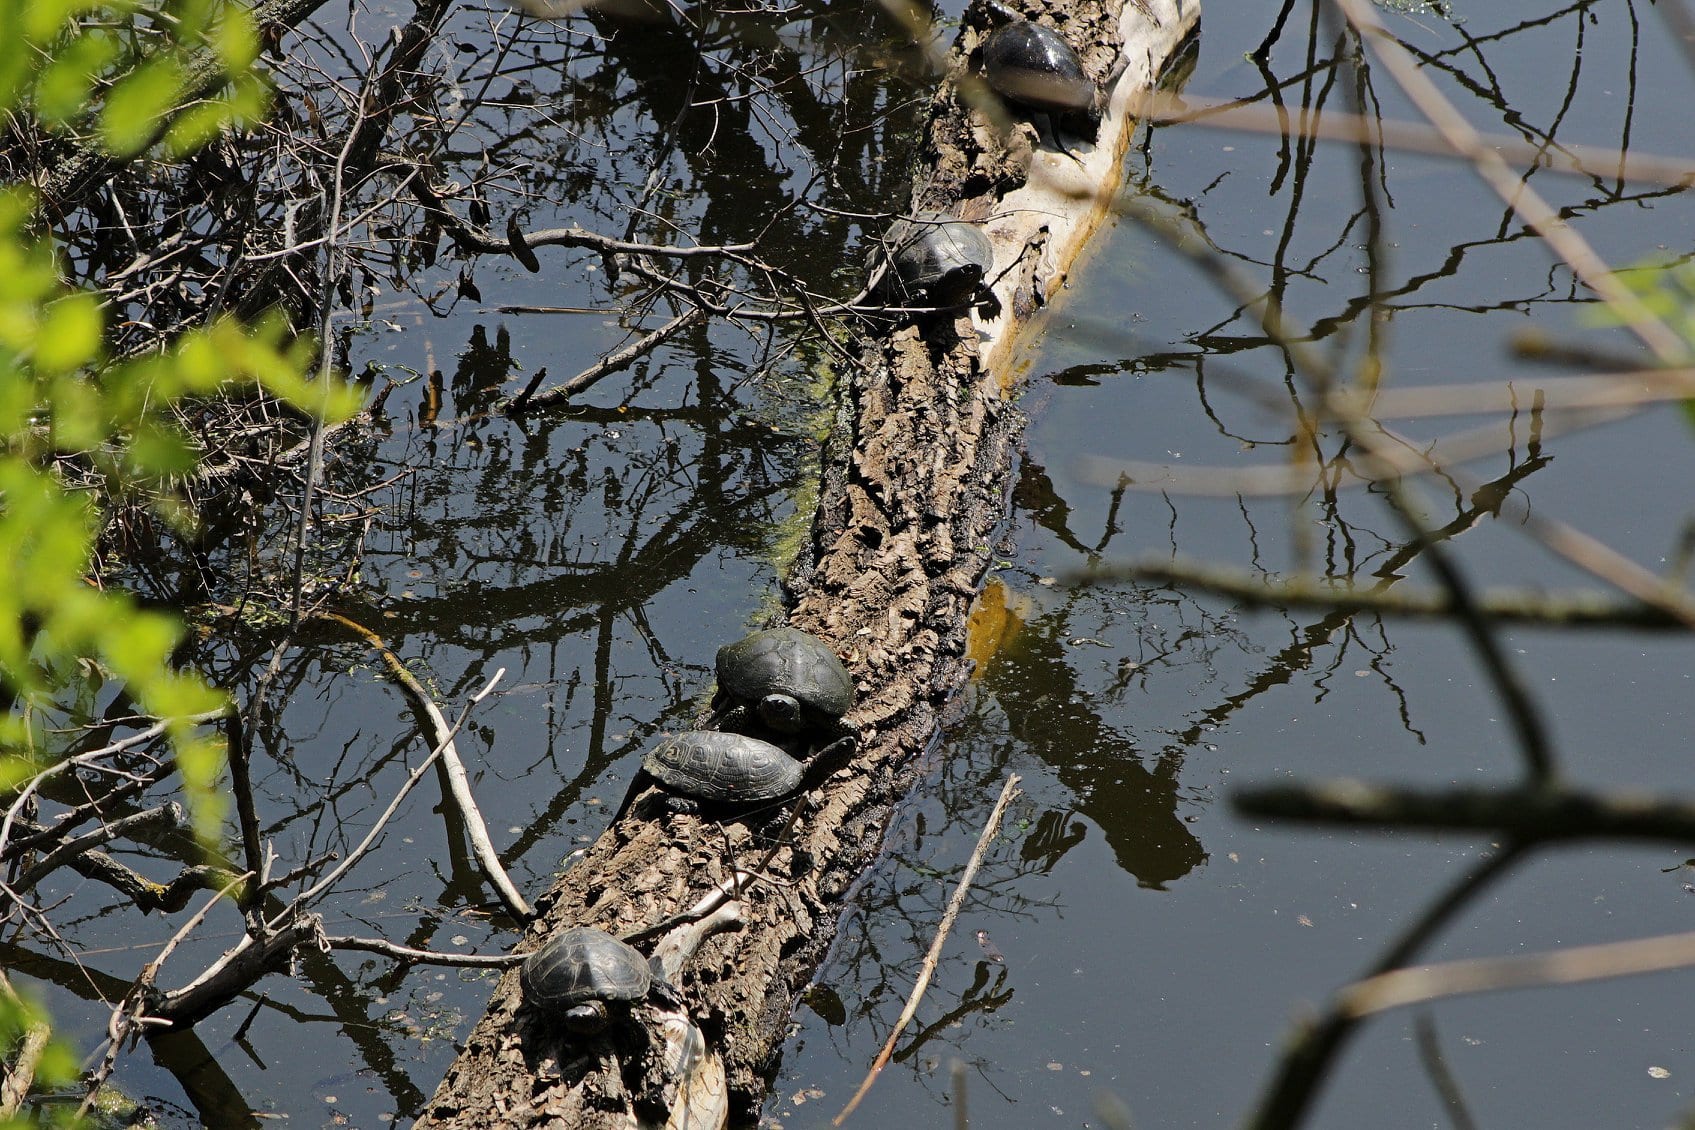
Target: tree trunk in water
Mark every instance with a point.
(915, 482)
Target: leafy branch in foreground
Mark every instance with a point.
(82, 433)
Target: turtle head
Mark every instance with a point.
(781, 712)
(959, 286)
(585, 1019)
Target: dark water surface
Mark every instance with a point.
(1158, 946)
(1154, 944)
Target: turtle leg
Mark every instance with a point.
(680, 805)
(1047, 133)
(723, 706)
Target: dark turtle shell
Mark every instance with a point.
(579, 970)
(719, 768)
(938, 260)
(1032, 66)
(793, 679)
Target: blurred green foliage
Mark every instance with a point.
(113, 76)
(1666, 289)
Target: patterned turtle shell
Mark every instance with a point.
(793, 679)
(579, 970)
(938, 260)
(723, 769)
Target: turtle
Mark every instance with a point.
(1034, 68)
(792, 679)
(930, 259)
(579, 972)
(713, 768)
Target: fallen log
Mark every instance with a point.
(915, 481)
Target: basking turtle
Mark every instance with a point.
(716, 769)
(579, 972)
(1032, 67)
(792, 679)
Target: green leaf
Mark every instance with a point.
(79, 420)
(141, 645)
(137, 105)
(235, 37)
(68, 336)
(64, 90)
(18, 400)
(158, 450)
(195, 127)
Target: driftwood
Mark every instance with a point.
(915, 479)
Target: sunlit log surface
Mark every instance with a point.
(915, 479)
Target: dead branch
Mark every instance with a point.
(961, 889)
(412, 956)
(611, 363)
(167, 817)
(133, 1012)
(459, 787)
(236, 970)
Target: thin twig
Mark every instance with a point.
(1572, 966)
(1514, 606)
(21, 796)
(423, 957)
(930, 959)
(445, 739)
(122, 1021)
(1413, 137)
(1307, 1059)
(1376, 445)
(1514, 190)
(459, 786)
(1441, 1076)
(609, 364)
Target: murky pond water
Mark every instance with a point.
(1130, 934)
(1158, 946)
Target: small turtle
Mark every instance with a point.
(580, 971)
(710, 767)
(1034, 68)
(792, 678)
(931, 259)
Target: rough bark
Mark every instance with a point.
(915, 481)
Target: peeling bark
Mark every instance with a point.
(915, 482)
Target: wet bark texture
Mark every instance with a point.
(915, 482)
